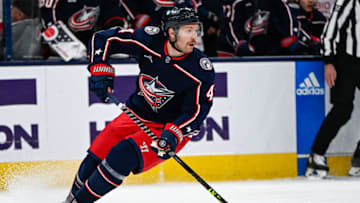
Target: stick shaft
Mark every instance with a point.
(172, 154)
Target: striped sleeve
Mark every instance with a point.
(331, 34)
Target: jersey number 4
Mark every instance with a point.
(210, 93)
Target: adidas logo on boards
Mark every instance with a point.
(310, 86)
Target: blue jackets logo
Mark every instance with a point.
(154, 92)
(310, 86)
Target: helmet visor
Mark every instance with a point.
(189, 30)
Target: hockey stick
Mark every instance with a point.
(172, 154)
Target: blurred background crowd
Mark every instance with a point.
(61, 29)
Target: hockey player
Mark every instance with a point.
(260, 27)
(143, 12)
(174, 93)
(312, 21)
(81, 17)
(210, 13)
(140, 13)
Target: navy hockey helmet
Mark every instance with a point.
(175, 17)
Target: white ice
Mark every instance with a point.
(296, 190)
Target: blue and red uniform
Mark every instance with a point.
(263, 27)
(312, 22)
(174, 90)
(172, 98)
(83, 17)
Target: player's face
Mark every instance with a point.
(16, 14)
(186, 37)
(307, 5)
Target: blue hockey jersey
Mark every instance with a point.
(169, 89)
(82, 17)
(265, 24)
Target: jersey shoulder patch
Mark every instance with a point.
(151, 30)
(205, 63)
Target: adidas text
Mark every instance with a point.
(310, 91)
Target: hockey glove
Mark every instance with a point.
(314, 46)
(293, 45)
(244, 49)
(101, 80)
(141, 20)
(167, 142)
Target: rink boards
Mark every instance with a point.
(262, 123)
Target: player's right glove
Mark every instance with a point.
(167, 142)
(314, 46)
(101, 80)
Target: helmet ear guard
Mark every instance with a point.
(176, 17)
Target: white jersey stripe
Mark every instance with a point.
(233, 14)
(290, 18)
(233, 33)
(54, 11)
(233, 9)
(127, 41)
(92, 48)
(197, 96)
(127, 10)
(165, 3)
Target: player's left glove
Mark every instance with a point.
(244, 49)
(293, 45)
(101, 80)
(167, 142)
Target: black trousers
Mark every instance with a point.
(342, 96)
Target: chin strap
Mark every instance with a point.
(172, 43)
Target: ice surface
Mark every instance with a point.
(298, 190)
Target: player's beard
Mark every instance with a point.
(187, 48)
(183, 45)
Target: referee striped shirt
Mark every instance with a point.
(342, 29)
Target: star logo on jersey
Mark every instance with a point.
(154, 92)
(98, 51)
(258, 24)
